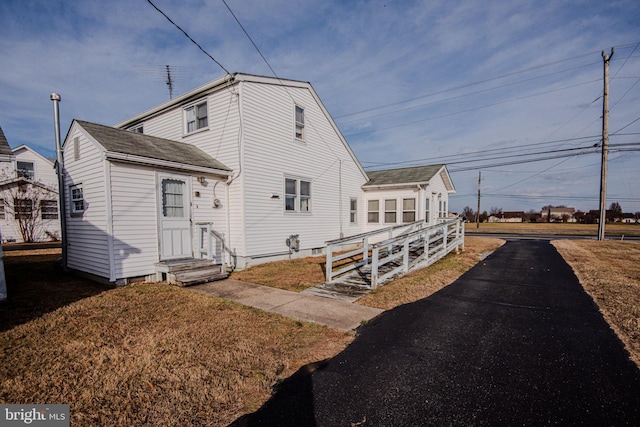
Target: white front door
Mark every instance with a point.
(175, 216)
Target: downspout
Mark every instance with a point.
(60, 171)
(234, 177)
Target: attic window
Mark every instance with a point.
(24, 170)
(299, 123)
(137, 129)
(196, 117)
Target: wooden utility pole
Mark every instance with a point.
(478, 211)
(605, 146)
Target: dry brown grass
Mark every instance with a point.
(610, 272)
(150, 354)
(615, 229)
(292, 275)
(422, 283)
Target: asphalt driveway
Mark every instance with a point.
(515, 341)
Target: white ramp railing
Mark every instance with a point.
(406, 248)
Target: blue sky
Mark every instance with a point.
(407, 82)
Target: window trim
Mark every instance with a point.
(376, 211)
(408, 211)
(297, 124)
(72, 206)
(47, 209)
(299, 200)
(353, 211)
(195, 107)
(18, 212)
(33, 170)
(393, 212)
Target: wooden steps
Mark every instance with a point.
(190, 271)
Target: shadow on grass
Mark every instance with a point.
(37, 285)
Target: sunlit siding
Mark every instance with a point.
(272, 152)
(134, 218)
(87, 237)
(221, 141)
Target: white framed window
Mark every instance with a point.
(299, 122)
(373, 211)
(353, 210)
(49, 209)
(390, 207)
(297, 195)
(137, 129)
(408, 210)
(427, 212)
(24, 170)
(196, 117)
(23, 208)
(76, 197)
(2, 215)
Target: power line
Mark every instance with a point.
(188, 36)
(475, 108)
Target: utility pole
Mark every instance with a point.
(478, 211)
(605, 146)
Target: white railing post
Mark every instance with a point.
(210, 243)
(458, 237)
(374, 267)
(406, 254)
(329, 263)
(365, 250)
(445, 232)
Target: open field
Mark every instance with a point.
(614, 229)
(151, 354)
(610, 272)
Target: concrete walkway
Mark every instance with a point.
(325, 311)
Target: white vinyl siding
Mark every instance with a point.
(321, 161)
(134, 220)
(87, 235)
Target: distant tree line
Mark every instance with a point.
(613, 214)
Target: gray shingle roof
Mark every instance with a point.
(138, 144)
(418, 174)
(4, 144)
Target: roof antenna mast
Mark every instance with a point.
(169, 82)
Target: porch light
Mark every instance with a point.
(201, 179)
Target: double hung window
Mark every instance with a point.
(49, 209)
(24, 170)
(353, 211)
(297, 195)
(373, 211)
(390, 211)
(196, 117)
(77, 200)
(408, 210)
(299, 123)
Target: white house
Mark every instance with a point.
(28, 195)
(243, 170)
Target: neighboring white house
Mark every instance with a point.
(256, 162)
(28, 195)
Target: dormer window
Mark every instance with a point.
(299, 123)
(24, 170)
(137, 129)
(196, 117)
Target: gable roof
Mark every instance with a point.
(23, 147)
(135, 147)
(417, 175)
(229, 80)
(4, 144)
